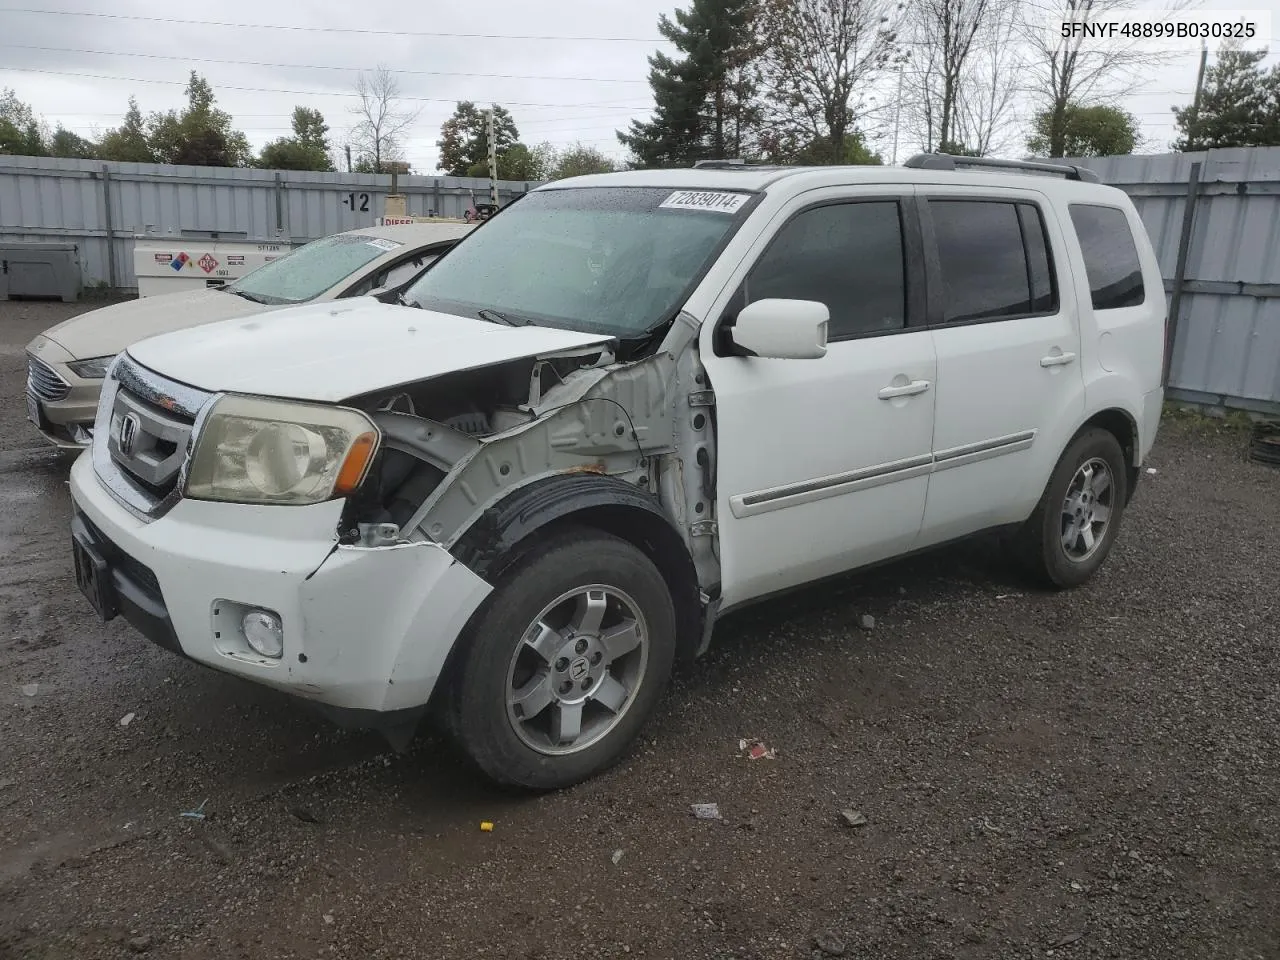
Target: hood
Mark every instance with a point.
(105, 332)
(332, 352)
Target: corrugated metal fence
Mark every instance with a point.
(102, 206)
(1218, 214)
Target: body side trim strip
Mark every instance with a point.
(807, 491)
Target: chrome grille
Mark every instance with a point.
(44, 382)
(142, 437)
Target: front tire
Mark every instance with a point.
(564, 662)
(1075, 524)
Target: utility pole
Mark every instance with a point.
(897, 109)
(348, 158)
(493, 156)
(1195, 104)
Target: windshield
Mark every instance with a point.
(310, 270)
(615, 260)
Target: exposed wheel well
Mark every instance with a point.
(507, 530)
(1123, 427)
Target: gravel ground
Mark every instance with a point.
(1088, 774)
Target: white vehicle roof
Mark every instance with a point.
(794, 180)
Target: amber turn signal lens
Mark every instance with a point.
(356, 464)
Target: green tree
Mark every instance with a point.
(706, 103)
(464, 140)
(128, 142)
(1083, 132)
(366, 164)
(820, 152)
(957, 149)
(579, 161)
(307, 149)
(1239, 106)
(21, 134)
(516, 162)
(64, 143)
(201, 135)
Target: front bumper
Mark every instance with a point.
(366, 629)
(66, 422)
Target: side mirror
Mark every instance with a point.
(782, 329)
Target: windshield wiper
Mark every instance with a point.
(510, 319)
(247, 296)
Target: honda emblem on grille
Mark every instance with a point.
(129, 428)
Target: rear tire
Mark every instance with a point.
(1075, 524)
(564, 663)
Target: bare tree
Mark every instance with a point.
(820, 59)
(1062, 72)
(378, 135)
(986, 107)
(952, 41)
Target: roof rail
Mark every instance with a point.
(718, 164)
(946, 161)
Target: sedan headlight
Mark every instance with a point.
(253, 450)
(94, 369)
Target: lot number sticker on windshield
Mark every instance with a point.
(384, 244)
(704, 200)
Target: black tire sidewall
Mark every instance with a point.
(479, 696)
(1090, 444)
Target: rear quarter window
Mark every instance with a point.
(1110, 256)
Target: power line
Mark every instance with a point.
(311, 66)
(301, 29)
(308, 93)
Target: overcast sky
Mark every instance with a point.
(576, 76)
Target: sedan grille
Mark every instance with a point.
(44, 382)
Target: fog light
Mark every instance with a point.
(264, 633)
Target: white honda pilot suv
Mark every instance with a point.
(621, 407)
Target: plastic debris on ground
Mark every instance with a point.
(30, 689)
(1151, 470)
(486, 826)
(197, 813)
(127, 719)
(617, 857)
(757, 750)
(706, 811)
(853, 818)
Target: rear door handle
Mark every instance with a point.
(906, 390)
(1057, 359)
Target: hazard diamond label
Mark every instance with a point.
(180, 261)
(207, 262)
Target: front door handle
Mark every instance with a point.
(906, 390)
(1057, 359)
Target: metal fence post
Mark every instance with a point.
(279, 204)
(106, 222)
(1180, 271)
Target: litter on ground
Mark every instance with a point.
(756, 750)
(853, 818)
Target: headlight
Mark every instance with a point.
(252, 450)
(95, 369)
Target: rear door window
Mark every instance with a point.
(1110, 256)
(994, 260)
